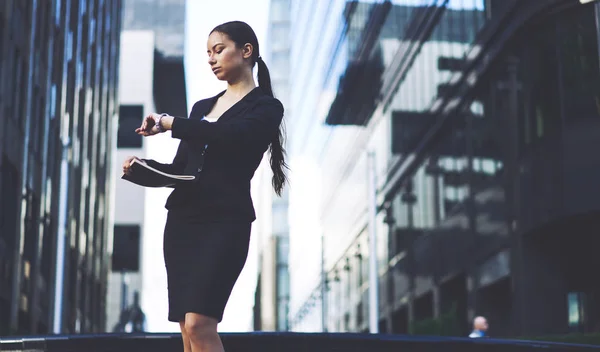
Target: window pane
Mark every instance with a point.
(126, 248)
(578, 47)
(130, 118)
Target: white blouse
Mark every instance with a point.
(211, 119)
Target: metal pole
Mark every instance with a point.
(323, 286)
(62, 228)
(373, 271)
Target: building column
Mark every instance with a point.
(544, 295)
(436, 301)
(389, 278)
(472, 289)
(409, 198)
(512, 189)
(434, 171)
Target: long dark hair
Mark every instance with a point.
(241, 34)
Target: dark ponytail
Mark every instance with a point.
(264, 77)
(241, 34)
(277, 150)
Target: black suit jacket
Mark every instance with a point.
(223, 155)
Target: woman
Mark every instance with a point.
(222, 143)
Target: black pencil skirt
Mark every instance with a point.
(203, 261)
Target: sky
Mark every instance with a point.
(201, 18)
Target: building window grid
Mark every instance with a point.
(39, 98)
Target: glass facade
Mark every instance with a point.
(479, 140)
(58, 70)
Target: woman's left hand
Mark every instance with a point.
(148, 127)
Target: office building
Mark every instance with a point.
(482, 117)
(151, 80)
(271, 309)
(58, 98)
(165, 18)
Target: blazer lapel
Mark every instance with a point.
(243, 104)
(207, 105)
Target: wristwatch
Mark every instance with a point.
(158, 125)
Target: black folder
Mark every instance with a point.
(145, 175)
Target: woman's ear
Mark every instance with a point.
(247, 51)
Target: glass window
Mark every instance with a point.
(576, 305)
(538, 86)
(279, 63)
(578, 47)
(280, 10)
(279, 36)
(126, 248)
(130, 117)
(16, 68)
(48, 237)
(57, 12)
(52, 101)
(30, 224)
(8, 201)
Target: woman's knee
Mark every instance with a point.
(198, 325)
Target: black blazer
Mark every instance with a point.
(223, 155)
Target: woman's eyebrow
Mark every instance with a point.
(214, 46)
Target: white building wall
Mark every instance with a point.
(136, 68)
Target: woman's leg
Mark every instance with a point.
(202, 332)
(187, 346)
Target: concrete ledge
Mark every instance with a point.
(289, 342)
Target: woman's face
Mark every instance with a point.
(226, 60)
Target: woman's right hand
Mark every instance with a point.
(127, 164)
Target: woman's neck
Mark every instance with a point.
(241, 87)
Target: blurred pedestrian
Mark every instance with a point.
(480, 327)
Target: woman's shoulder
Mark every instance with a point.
(268, 105)
(265, 100)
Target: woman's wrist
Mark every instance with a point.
(165, 122)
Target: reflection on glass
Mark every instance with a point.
(576, 303)
(578, 46)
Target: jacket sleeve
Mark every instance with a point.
(181, 157)
(177, 166)
(257, 126)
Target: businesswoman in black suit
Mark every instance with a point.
(222, 142)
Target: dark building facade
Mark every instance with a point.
(507, 145)
(488, 203)
(58, 101)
